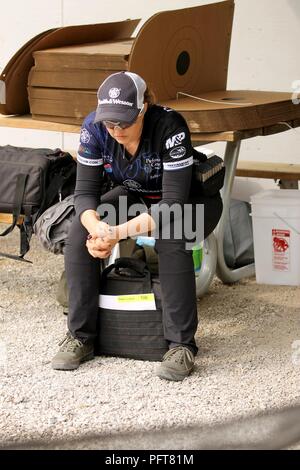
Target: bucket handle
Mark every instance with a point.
(284, 221)
(289, 225)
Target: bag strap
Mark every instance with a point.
(25, 227)
(19, 195)
(132, 268)
(15, 257)
(26, 231)
(136, 266)
(56, 185)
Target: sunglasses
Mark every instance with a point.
(121, 125)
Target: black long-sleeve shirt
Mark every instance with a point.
(160, 172)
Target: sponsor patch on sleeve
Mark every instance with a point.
(89, 161)
(178, 152)
(85, 136)
(177, 165)
(175, 140)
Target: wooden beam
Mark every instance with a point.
(26, 122)
(8, 219)
(233, 136)
(284, 171)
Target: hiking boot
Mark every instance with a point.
(176, 364)
(71, 353)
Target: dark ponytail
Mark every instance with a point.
(149, 97)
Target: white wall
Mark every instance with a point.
(264, 54)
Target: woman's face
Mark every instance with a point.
(131, 134)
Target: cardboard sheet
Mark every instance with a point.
(110, 55)
(185, 50)
(235, 110)
(69, 78)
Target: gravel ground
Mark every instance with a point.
(247, 364)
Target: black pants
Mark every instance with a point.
(176, 273)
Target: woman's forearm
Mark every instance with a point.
(89, 220)
(140, 225)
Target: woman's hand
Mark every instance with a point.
(103, 239)
(103, 230)
(98, 247)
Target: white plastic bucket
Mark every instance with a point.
(276, 234)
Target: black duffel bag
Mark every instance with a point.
(32, 179)
(130, 312)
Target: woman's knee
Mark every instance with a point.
(205, 221)
(169, 246)
(213, 213)
(77, 234)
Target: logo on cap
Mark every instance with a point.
(114, 92)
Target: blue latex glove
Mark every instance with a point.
(145, 241)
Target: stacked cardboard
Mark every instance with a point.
(14, 78)
(64, 81)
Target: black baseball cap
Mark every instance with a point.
(120, 98)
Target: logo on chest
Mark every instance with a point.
(131, 184)
(108, 158)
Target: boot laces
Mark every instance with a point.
(178, 354)
(70, 344)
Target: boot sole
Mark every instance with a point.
(74, 366)
(169, 374)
